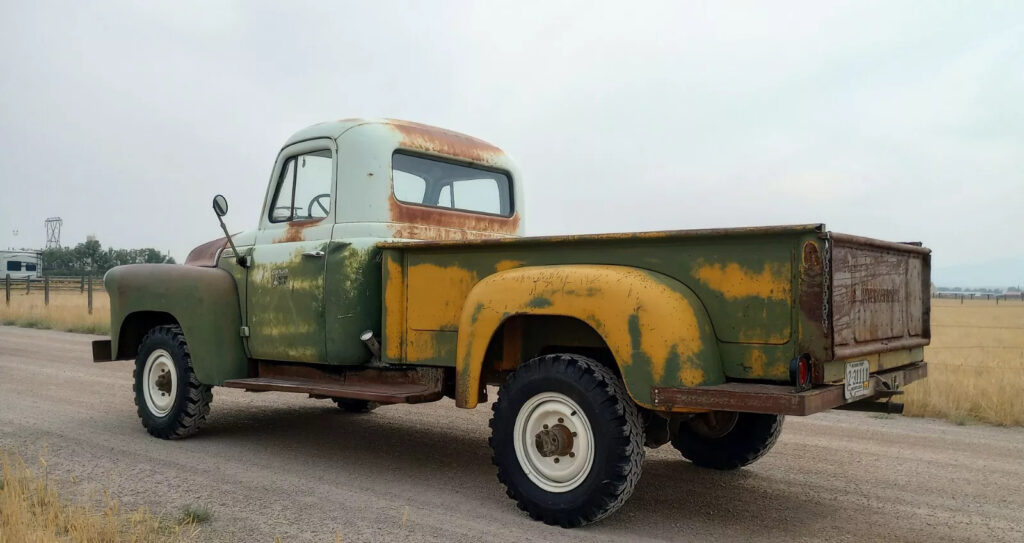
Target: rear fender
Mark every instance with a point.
(656, 328)
(203, 301)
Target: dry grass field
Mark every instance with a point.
(68, 311)
(33, 509)
(976, 359)
(975, 364)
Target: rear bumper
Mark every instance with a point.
(101, 351)
(781, 399)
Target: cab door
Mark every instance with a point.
(285, 297)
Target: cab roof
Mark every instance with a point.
(415, 136)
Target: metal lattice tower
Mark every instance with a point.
(53, 225)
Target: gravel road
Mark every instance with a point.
(274, 464)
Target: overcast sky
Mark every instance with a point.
(898, 120)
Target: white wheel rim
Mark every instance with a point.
(159, 382)
(550, 417)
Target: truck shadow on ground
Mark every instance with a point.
(444, 455)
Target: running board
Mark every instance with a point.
(417, 385)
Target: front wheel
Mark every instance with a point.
(727, 440)
(171, 401)
(567, 440)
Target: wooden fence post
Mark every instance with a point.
(46, 290)
(90, 295)
(81, 288)
(28, 285)
(7, 288)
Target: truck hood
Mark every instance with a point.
(207, 254)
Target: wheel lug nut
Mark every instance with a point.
(560, 420)
(556, 460)
(545, 426)
(572, 455)
(574, 434)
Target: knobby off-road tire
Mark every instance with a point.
(747, 439)
(355, 406)
(540, 404)
(171, 401)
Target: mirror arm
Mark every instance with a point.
(243, 261)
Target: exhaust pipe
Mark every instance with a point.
(371, 343)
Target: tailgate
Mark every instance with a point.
(880, 295)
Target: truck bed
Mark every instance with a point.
(772, 293)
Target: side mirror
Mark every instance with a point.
(220, 205)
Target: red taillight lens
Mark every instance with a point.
(800, 373)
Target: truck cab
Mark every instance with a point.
(336, 190)
(389, 266)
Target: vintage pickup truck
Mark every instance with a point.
(388, 267)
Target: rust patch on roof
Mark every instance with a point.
(420, 137)
(205, 255)
(295, 228)
(435, 223)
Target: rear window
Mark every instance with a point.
(436, 183)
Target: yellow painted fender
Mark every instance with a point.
(657, 329)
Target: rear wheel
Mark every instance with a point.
(727, 440)
(567, 440)
(355, 406)
(171, 401)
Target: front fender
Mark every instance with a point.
(204, 301)
(656, 328)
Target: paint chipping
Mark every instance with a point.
(295, 229)
(629, 308)
(735, 281)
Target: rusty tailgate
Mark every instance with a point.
(879, 295)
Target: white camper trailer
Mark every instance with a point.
(21, 264)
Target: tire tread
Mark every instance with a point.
(735, 450)
(188, 420)
(617, 409)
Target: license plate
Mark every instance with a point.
(858, 379)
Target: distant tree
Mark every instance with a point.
(90, 258)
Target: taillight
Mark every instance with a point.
(800, 372)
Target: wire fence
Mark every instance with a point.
(1006, 297)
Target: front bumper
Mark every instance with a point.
(101, 351)
(781, 399)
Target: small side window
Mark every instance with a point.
(13, 265)
(304, 189)
(283, 208)
(30, 267)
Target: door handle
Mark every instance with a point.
(313, 253)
